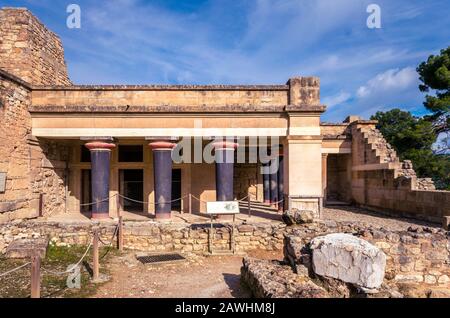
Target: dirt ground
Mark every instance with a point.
(198, 276)
(213, 276)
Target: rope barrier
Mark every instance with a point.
(152, 203)
(14, 269)
(110, 243)
(92, 203)
(200, 200)
(73, 267)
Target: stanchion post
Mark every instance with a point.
(190, 203)
(35, 274)
(118, 205)
(120, 236)
(249, 205)
(95, 267)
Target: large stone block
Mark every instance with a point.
(348, 258)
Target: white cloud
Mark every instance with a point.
(339, 98)
(391, 80)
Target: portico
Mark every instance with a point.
(221, 120)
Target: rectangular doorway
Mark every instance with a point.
(176, 189)
(86, 194)
(131, 186)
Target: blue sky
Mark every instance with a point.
(362, 70)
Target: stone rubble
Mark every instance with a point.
(349, 259)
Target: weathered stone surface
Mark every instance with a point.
(23, 248)
(296, 216)
(348, 258)
(270, 279)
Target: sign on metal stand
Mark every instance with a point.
(218, 208)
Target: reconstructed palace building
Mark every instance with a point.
(96, 149)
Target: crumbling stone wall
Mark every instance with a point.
(150, 236)
(382, 183)
(32, 166)
(29, 50)
(419, 255)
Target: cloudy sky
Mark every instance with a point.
(362, 70)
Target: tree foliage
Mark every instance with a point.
(413, 138)
(435, 75)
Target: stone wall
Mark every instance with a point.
(382, 183)
(150, 236)
(248, 180)
(32, 166)
(419, 256)
(29, 50)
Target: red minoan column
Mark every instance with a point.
(274, 182)
(162, 169)
(224, 153)
(100, 162)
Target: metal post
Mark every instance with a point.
(35, 274)
(120, 236)
(118, 205)
(95, 267)
(248, 205)
(190, 203)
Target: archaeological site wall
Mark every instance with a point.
(30, 55)
(33, 167)
(29, 50)
(382, 183)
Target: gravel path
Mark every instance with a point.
(348, 213)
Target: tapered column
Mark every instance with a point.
(274, 182)
(162, 170)
(266, 181)
(224, 153)
(280, 183)
(100, 167)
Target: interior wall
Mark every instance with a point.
(339, 178)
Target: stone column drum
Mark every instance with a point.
(162, 168)
(100, 167)
(224, 153)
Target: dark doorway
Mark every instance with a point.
(86, 194)
(132, 188)
(176, 189)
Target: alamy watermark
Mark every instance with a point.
(74, 19)
(374, 18)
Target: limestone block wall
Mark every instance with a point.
(248, 180)
(29, 50)
(32, 166)
(382, 183)
(419, 255)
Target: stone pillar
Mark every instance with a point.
(324, 176)
(162, 170)
(100, 167)
(274, 166)
(224, 153)
(266, 182)
(281, 182)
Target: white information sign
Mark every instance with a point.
(222, 207)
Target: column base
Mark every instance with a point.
(100, 216)
(163, 216)
(267, 201)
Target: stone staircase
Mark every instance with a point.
(379, 151)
